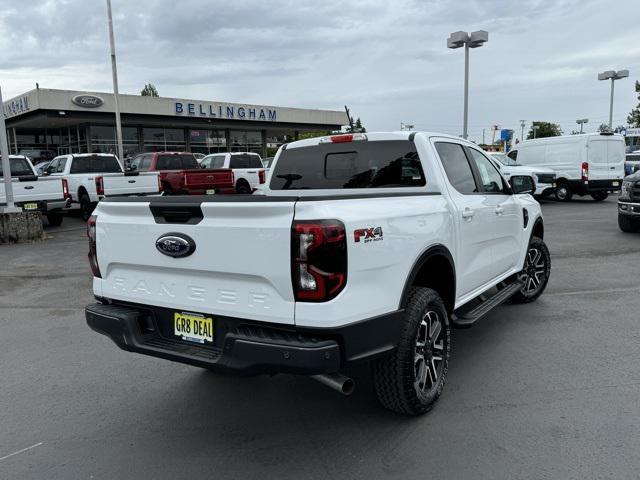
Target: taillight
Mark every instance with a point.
(99, 185)
(65, 189)
(345, 138)
(318, 259)
(160, 187)
(93, 254)
(262, 175)
(585, 171)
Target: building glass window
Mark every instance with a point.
(207, 141)
(246, 141)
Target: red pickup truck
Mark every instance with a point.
(180, 174)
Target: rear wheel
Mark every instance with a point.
(243, 188)
(86, 207)
(411, 378)
(55, 218)
(628, 224)
(599, 196)
(535, 274)
(563, 193)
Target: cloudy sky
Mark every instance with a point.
(386, 60)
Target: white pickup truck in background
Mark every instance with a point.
(545, 178)
(248, 170)
(32, 193)
(93, 176)
(371, 246)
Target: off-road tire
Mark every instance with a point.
(628, 224)
(534, 271)
(54, 218)
(395, 377)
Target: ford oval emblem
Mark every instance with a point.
(87, 101)
(176, 245)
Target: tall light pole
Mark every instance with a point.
(114, 71)
(582, 121)
(613, 76)
(406, 126)
(6, 167)
(473, 40)
(535, 129)
(522, 124)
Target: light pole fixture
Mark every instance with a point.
(114, 73)
(613, 76)
(406, 126)
(581, 122)
(472, 40)
(535, 129)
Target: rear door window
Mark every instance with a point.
(95, 164)
(19, 167)
(245, 161)
(457, 167)
(218, 161)
(362, 164)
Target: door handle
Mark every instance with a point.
(499, 210)
(468, 213)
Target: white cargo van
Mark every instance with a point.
(587, 164)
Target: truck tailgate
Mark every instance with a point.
(130, 184)
(202, 179)
(241, 265)
(34, 190)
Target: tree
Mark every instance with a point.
(544, 129)
(634, 117)
(358, 126)
(149, 90)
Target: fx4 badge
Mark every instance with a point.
(367, 234)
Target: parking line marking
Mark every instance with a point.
(20, 451)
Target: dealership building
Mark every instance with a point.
(57, 122)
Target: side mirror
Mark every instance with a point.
(521, 184)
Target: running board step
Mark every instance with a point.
(466, 319)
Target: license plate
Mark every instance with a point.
(193, 327)
(615, 184)
(30, 206)
(211, 192)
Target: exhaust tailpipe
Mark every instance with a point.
(337, 381)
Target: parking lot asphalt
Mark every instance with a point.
(544, 390)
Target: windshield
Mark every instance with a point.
(364, 164)
(504, 160)
(19, 167)
(95, 164)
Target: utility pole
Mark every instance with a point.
(613, 76)
(483, 137)
(346, 109)
(522, 124)
(6, 166)
(114, 71)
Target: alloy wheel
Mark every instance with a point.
(534, 272)
(429, 353)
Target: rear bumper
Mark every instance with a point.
(43, 206)
(629, 208)
(243, 346)
(203, 191)
(591, 186)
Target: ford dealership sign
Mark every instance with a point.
(87, 101)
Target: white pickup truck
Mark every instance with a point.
(544, 177)
(93, 176)
(248, 169)
(371, 247)
(32, 193)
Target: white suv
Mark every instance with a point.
(248, 169)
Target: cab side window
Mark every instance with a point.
(62, 163)
(489, 176)
(457, 167)
(51, 168)
(513, 155)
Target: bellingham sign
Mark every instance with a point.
(235, 112)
